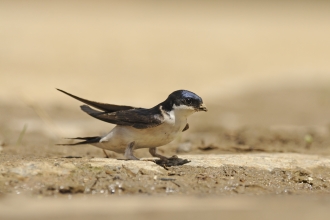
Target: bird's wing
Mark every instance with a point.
(98, 105)
(138, 118)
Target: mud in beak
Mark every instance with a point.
(202, 107)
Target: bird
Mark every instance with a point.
(141, 127)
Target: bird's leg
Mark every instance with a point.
(106, 155)
(129, 152)
(153, 152)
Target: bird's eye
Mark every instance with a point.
(188, 101)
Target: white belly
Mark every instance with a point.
(121, 136)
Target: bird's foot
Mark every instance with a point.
(153, 152)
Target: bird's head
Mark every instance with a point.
(185, 100)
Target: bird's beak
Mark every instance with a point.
(202, 107)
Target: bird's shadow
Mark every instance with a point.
(171, 162)
(168, 162)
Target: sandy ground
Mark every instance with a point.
(261, 68)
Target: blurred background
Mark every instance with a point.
(263, 63)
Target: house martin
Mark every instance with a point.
(140, 127)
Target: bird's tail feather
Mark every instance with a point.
(87, 140)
